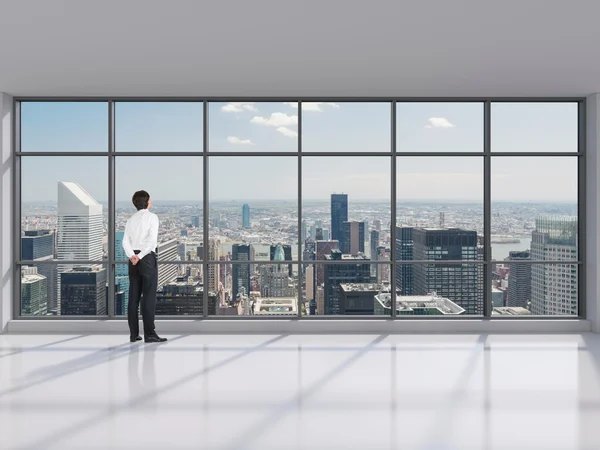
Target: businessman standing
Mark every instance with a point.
(140, 242)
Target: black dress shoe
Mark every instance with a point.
(135, 338)
(154, 338)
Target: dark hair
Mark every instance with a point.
(140, 200)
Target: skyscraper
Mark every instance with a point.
(353, 238)
(240, 272)
(214, 274)
(461, 283)
(121, 271)
(38, 245)
(404, 252)
(554, 286)
(246, 216)
(79, 230)
(196, 221)
(323, 249)
(83, 291)
(339, 215)
(519, 280)
(167, 251)
(34, 293)
(184, 297)
(336, 274)
(303, 232)
(286, 251)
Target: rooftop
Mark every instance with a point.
(406, 303)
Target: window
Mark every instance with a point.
(376, 208)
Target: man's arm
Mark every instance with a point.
(152, 242)
(127, 242)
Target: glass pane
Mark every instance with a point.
(253, 127)
(346, 206)
(179, 292)
(64, 126)
(349, 289)
(525, 189)
(446, 284)
(254, 289)
(540, 289)
(534, 127)
(64, 208)
(64, 290)
(439, 127)
(439, 208)
(176, 194)
(346, 127)
(257, 215)
(158, 126)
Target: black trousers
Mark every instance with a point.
(143, 281)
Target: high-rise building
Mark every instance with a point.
(339, 215)
(358, 298)
(353, 238)
(246, 216)
(404, 252)
(373, 250)
(121, 271)
(196, 221)
(383, 272)
(417, 305)
(324, 249)
(167, 251)
(337, 274)
(240, 272)
(79, 230)
(83, 291)
(554, 286)
(461, 283)
(303, 232)
(34, 292)
(214, 274)
(184, 297)
(286, 250)
(326, 234)
(519, 280)
(38, 246)
(319, 234)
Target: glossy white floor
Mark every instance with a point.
(301, 392)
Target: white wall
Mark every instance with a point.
(592, 241)
(6, 220)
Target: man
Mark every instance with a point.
(140, 242)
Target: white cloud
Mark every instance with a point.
(236, 140)
(313, 106)
(239, 107)
(439, 122)
(277, 119)
(287, 132)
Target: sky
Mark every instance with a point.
(326, 127)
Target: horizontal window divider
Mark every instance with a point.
(117, 153)
(304, 99)
(400, 153)
(255, 154)
(59, 317)
(56, 154)
(56, 262)
(536, 154)
(347, 154)
(536, 317)
(528, 261)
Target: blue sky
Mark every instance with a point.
(331, 127)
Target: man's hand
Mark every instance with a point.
(134, 259)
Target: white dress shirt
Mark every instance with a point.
(141, 233)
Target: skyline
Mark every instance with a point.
(332, 127)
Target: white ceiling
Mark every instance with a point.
(300, 47)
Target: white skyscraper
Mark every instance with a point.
(554, 286)
(79, 228)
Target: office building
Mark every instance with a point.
(80, 230)
(337, 274)
(319, 234)
(121, 272)
(353, 238)
(404, 252)
(285, 255)
(184, 297)
(383, 271)
(359, 298)
(339, 215)
(196, 221)
(519, 280)
(34, 292)
(167, 251)
(303, 232)
(374, 244)
(240, 272)
(324, 249)
(83, 291)
(461, 283)
(246, 216)
(554, 286)
(417, 305)
(38, 246)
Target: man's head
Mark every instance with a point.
(141, 200)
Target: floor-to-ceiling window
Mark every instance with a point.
(377, 208)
